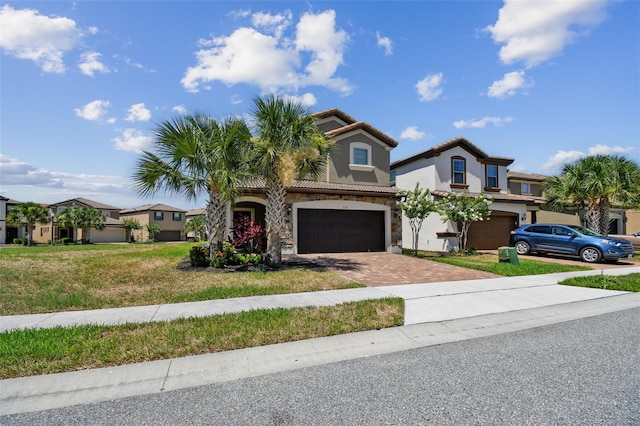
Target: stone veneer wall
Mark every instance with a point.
(294, 197)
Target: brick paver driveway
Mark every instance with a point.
(377, 269)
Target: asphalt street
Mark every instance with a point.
(581, 372)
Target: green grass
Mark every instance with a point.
(490, 263)
(630, 282)
(45, 351)
(52, 279)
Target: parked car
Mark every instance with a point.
(636, 234)
(569, 240)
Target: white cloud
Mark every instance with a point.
(274, 24)
(610, 150)
(307, 99)
(385, 43)
(90, 64)
(561, 158)
(520, 168)
(482, 123)
(412, 133)
(509, 85)
(180, 109)
(236, 99)
(429, 87)
(535, 31)
(272, 61)
(133, 140)
(28, 35)
(138, 112)
(93, 111)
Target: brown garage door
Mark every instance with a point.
(168, 236)
(340, 231)
(493, 233)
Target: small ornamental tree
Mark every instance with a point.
(198, 226)
(416, 206)
(153, 229)
(462, 210)
(131, 224)
(27, 215)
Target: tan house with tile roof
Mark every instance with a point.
(170, 219)
(351, 207)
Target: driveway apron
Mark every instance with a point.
(383, 269)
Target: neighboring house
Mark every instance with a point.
(3, 219)
(170, 219)
(622, 221)
(10, 232)
(351, 207)
(459, 166)
(189, 215)
(112, 232)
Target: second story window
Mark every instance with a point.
(458, 171)
(392, 177)
(492, 176)
(177, 217)
(525, 188)
(360, 156)
(158, 215)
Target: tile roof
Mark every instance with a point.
(334, 112)
(88, 203)
(455, 142)
(526, 176)
(195, 212)
(313, 186)
(497, 196)
(149, 207)
(361, 125)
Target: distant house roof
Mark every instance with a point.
(445, 146)
(194, 212)
(526, 176)
(86, 202)
(3, 198)
(529, 199)
(152, 207)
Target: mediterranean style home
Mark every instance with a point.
(622, 221)
(351, 207)
(170, 219)
(460, 166)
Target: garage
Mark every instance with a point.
(168, 236)
(493, 233)
(340, 231)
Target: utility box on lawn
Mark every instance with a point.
(508, 255)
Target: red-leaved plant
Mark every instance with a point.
(248, 235)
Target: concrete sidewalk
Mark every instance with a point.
(435, 313)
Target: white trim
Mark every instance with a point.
(360, 168)
(341, 205)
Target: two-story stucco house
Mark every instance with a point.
(113, 230)
(459, 166)
(170, 219)
(351, 207)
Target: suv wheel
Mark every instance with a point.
(522, 247)
(590, 254)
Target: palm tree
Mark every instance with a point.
(196, 225)
(83, 218)
(195, 154)
(595, 183)
(27, 215)
(153, 229)
(289, 146)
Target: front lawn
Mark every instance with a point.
(490, 263)
(630, 282)
(52, 279)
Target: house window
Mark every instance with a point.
(525, 188)
(492, 175)
(177, 217)
(392, 177)
(158, 215)
(106, 213)
(360, 157)
(458, 170)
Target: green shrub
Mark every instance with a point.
(21, 241)
(65, 241)
(199, 256)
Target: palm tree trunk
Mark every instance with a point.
(603, 219)
(215, 223)
(274, 218)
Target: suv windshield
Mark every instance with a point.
(585, 231)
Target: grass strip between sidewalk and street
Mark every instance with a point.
(45, 351)
(629, 282)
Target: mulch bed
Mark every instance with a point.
(185, 266)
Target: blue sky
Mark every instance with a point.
(83, 84)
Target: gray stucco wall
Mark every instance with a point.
(340, 172)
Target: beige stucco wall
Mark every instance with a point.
(633, 221)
